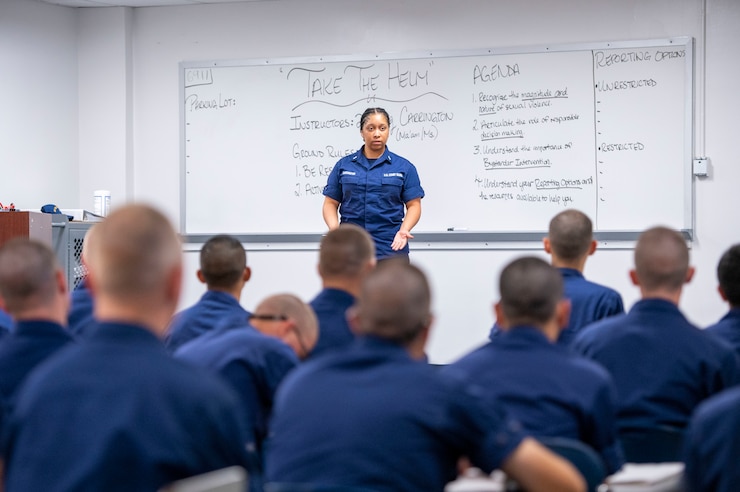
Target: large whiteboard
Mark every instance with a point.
(503, 139)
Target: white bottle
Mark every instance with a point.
(101, 202)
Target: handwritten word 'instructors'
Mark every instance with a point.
(299, 124)
(484, 73)
(194, 103)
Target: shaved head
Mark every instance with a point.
(530, 290)
(222, 261)
(570, 234)
(28, 270)
(294, 308)
(345, 252)
(135, 250)
(661, 259)
(395, 302)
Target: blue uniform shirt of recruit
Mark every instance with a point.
(552, 392)
(214, 308)
(80, 319)
(589, 302)
(711, 445)
(662, 365)
(117, 413)
(372, 194)
(330, 306)
(6, 323)
(728, 329)
(254, 365)
(372, 417)
(20, 352)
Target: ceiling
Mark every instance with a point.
(137, 3)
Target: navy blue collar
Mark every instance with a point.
(359, 156)
(523, 333)
(220, 295)
(39, 328)
(733, 313)
(655, 305)
(570, 272)
(121, 333)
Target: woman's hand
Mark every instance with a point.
(399, 242)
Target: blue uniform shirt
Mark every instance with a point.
(662, 365)
(6, 323)
(330, 307)
(552, 392)
(728, 329)
(712, 445)
(373, 196)
(20, 352)
(115, 412)
(80, 319)
(254, 364)
(371, 416)
(214, 308)
(589, 302)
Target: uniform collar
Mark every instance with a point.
(384, 158)
(655, 305)
(378, 345)
(570, 272)
(733, 313)
(220, 296)
(123, 334)
(523, 334)
(39, 327)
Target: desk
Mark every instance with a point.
(33, 225)
(633, 477)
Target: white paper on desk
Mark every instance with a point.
(646, 474)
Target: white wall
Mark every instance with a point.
(106, 104)
(38, 104)
(146, 164)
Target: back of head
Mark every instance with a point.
(395, 302)
(134, 253)
(28, 271)
(728, 274)
(570, 234)
(292, 307)
(530, 290)
(661, 259)
(222, 262)
(345, 252)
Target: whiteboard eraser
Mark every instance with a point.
(701, 166)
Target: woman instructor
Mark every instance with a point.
(371, 188)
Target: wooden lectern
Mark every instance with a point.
(33, 225)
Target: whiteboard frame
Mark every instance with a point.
(478, 239)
